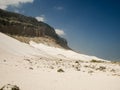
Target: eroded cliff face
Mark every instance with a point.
(26, 28)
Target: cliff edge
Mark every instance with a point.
(25, 29)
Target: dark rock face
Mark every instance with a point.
(20, 25)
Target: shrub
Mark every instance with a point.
(60, 70)
(90, 71)
(77, 62)
(31, 68)
(101, 68)
(77, 68)
(96, 61)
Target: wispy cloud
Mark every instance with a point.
(60, 32)
(16, 11)
(16, 3)
(59, 8)
(41, 18)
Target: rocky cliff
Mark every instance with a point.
(26, 28)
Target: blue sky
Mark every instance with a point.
(91, 26)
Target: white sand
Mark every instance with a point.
(35, 68)
(39, 80)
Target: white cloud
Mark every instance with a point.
(16, 3)
(59, 8)
(60, 32)
(40, 18)
(16, 11)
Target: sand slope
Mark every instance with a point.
(35, 67)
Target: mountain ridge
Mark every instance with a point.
(18, 25)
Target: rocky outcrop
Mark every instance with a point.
(10, 87)
(17, 25)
